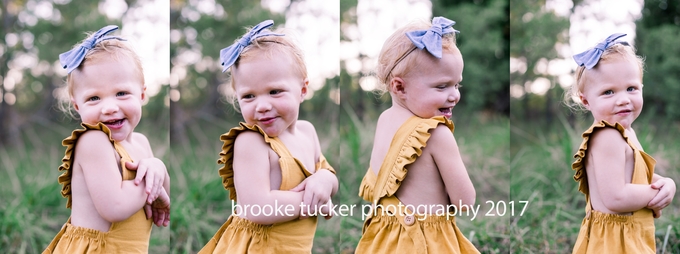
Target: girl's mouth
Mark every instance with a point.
(115, 124)
(267, 120)
(445, 112)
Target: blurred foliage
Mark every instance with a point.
(484, 42)
(658, 40)
(535, 32)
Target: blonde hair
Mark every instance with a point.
(398, 54)
(105, 50)
(615, 52)
(268, 46)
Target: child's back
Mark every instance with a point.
(417, 181)
(424, 184)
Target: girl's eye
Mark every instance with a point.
(272, 92)
(441, 87)
(608, 92)
(121, 93)
(248, 96)
(93, 98)
(631, 89)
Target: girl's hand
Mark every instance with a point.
(657, 213)
(666, 187)
(317, 191)
(154, 171)
(159, 209)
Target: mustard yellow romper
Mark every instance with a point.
(240, 235)
(402, 233)
(128, 236)
(613, 233)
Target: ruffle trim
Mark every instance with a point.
(578, 165)
(410, 150)
(367, 185)
(66, 163)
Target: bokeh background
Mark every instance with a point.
(546, 134)
(34, 33)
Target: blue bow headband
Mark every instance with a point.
(430, 39)
(229, 55)
(71, 59)
(589, 58)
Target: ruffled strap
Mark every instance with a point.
(407, 145)
(67, 162)
(578, 165)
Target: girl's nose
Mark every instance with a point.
(454, 96)
(263, 105)
(623, 100)
(109, 108)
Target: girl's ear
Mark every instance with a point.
(303, 91)
(584, 101)
(75, 105)
(397, 87)
(143, 93)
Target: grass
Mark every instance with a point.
(542, 174)
(32, 209)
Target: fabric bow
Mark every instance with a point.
(71, 59)
(229, 55)
(432, 38)
(589, 58)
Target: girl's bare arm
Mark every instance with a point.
(114, 199)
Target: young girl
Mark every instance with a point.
(416, 172)
(272, 162)
(106, 88)
(623, 195)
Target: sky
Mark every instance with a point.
(367, 36)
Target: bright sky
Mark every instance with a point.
(374, 24)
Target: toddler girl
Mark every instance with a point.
(623, 195)
(272, 162)
(416, 172)
(106, 88)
